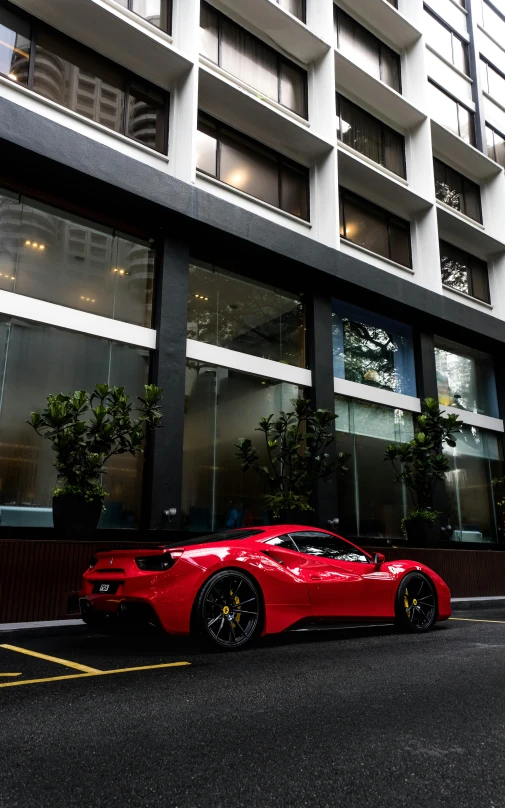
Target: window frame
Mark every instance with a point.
(454, 35)
(128, 78)
(382, 45)
(490, 66)
(165, 16)
(470, 264)
(459, 106)
(495, 131)
(256, 146)
(321, 533)
(465, 179)
(371, 206)
(280, 60)
(303, 18)
(383, 129)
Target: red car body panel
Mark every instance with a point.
(294, 586)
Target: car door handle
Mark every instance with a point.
(315, 577)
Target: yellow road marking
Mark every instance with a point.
(92, 675)
(10, 674)
(472, 620)
(66, 662)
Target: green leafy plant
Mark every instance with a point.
(420, 464)
(296, 450)
(85, 430)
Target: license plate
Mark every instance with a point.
(106, 587)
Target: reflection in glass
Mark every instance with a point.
(35, 361)
(295, 7)
(370, 136)
(457, 191)
(495, 146)
(493, 22)
(445, 42)
(364, 48)
(371, 349)
(233, 312)
(15, 47)
(251, 171)
(375, 229)
(475, 461)
(464, 272)
(146, 116)
(371, 503)
(465, 378)
(157, 12)
(447, 112)
(221, 406)
(45, 256)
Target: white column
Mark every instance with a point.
(184, 94)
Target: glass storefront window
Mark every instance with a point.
(48, 257)
(475, 461)
(221, 406)
(371, 349)
(465, 378)
(371, 503)
(233, 312)
(36, 361)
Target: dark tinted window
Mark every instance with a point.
(363, 47)
(375, 229)
(328, 546)
(457, 191)
(283, 541)
(210, 538)
(370, 136)
(464, 272)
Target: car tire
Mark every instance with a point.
(416, 603)
(219, 617)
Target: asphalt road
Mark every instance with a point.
(363, 718)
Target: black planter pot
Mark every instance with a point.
(73, 514)
(422, 533)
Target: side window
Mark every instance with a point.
(328, 546)
(283, 541)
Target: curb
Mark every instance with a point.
(492, 602)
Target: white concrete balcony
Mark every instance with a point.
(469, 160)
(282, 28)
(383, 19)
(243, 108)
(458, 229)
(116, 33)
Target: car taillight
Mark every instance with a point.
(93, 563)
(156, 563)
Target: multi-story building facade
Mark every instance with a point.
(248, 201)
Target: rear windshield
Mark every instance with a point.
(211, 538)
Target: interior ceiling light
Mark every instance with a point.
(13, 77)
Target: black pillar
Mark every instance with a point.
(473, 9)
(320, 354)
(163, 479)
(426, 371)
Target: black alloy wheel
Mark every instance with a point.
(229, 609)
(416, 606)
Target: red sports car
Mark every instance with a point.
(230, 587)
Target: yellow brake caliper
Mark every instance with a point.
(406, 600)
(236, 601)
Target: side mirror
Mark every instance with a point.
(378, 559)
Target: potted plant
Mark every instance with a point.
(296, 457)
(420, 465)
(85, 431)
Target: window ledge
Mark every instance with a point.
(493, 100)
(82, 118)
(460, 215)
(470, 298)
(138, 21)
(202, 175)
(377, 395)
(252, 91)
(450, 64)
(491, 37)
(368, 160)
(463, 10)
(377, 255)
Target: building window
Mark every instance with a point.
(373, 350)
(221, 406)
(39, 360)
(393, 3)
(474, 462)
(465, 378)
(449, 113)
(83, 81)
(295, 7)
(370, 136)
(248, 58)
(493, 82)
(493, 20)
(45, 256)
(237, 313)
(367, 50)
(457, 191)
(245, 164)
(446, 42)
(464, 272)
(375, 229)
(371, 505)
(157, 12)
(495, 146)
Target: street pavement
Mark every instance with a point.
(360, 718)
